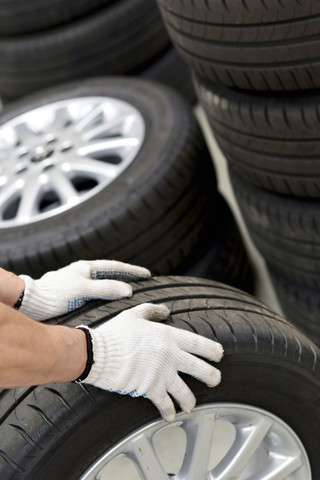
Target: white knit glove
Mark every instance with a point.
(138, 357)
(69, 288)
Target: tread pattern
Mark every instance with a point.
(107, 42)
(222, 255)
(284, 229)
(19, 17)
(248, 44)
(271, 141)
(301, 305)
(35, 420)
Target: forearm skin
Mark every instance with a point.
(33, 353)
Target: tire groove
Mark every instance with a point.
(252, 44)
(206, 22)
(25, 436)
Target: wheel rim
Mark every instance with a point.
(57, 156)
(256, 445)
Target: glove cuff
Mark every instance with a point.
(34, 304)
(90, 360)
(98, 367)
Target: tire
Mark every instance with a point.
(108, 42)
(248, 45)
(170, 69)
(221, 255)
(19, 17)
(284, 229)
(59, 430)
(300, 305)
(271, 141)
(154, 211)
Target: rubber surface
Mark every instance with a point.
(272, 141)
(221, 255)
(300, 305)
(58, 430)
(107, 42)
(284, 229)
(248, 44)
(18, 16)
(169, 68)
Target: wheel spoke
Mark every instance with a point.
(262, 447)
(246, 442)
(141, 451)
(24, 133)
(91, 168)
(30, 195)
(63, 187)
(8, 193)
(61, 118)
(90, 119)
(199, 433)
(279, 467)
(105, 128)
(7, 167)
(113, 146)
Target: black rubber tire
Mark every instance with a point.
(58, 430)
(299, 304)
(284, 229)
(254, 45)
(108, 42)
(20, 17)
(153, 214)
(221, 255)
(271, 141)
(169, 68)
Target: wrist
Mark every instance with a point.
(12, 287)
(72, 358)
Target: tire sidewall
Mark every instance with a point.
(264, 382)
(160, 129)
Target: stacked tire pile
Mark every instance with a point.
(46, 43)
(256, 69)
(116, 168)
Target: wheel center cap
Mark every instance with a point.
(41, 153)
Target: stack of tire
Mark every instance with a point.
(115, 167)
(46, 43)
(256, 68)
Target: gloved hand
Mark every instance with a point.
(69, 288)
(135, 356)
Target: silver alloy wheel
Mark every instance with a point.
(55, 157)
(215, 442)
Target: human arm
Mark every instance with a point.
(134, 353)
(33, 353)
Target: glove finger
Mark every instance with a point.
(199, 369)
(183, 395)
(107, 289)
(164, 405)
(113, 269)
(150, 311)
(199, 345)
